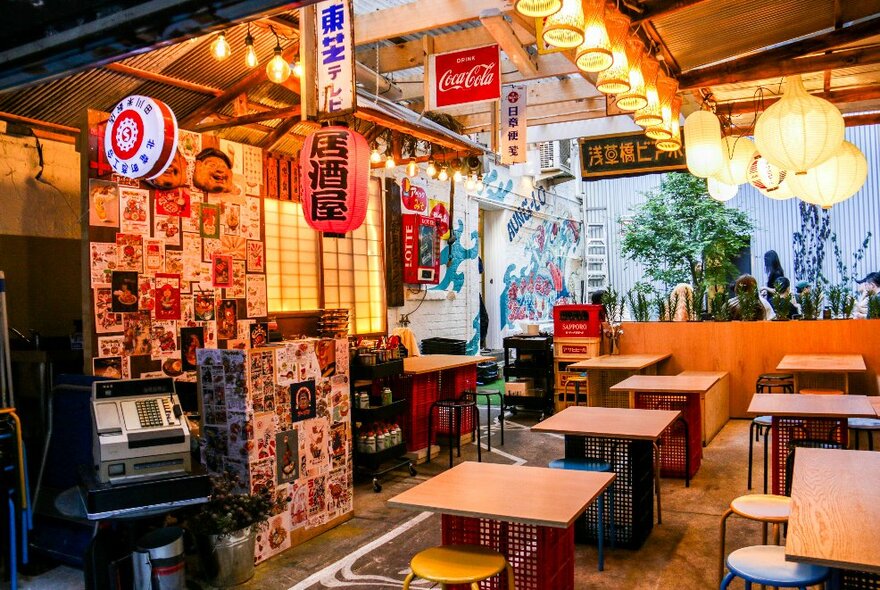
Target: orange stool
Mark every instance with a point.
(458, 564)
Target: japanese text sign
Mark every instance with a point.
(140, 139)
(513, 124)
(465, 77)
(334, 172)
(335, 58)
(628, 154)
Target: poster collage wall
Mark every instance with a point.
(176, 263)
(279, 418)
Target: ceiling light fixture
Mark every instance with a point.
(250, 54)
(594, 54)
(565, 28)
(537, 8)
(278, 70)
(220, 48)
(615, 79)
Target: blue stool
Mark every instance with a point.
(766, 565)
(588, 464)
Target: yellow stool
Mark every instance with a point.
(458, 564)
(764, 508)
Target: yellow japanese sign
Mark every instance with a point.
(627, 154)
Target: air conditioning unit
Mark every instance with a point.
(555, 156)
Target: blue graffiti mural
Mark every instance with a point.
(473, 347)
(532, 289)
(460, 253)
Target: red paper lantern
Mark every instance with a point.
(334, 174)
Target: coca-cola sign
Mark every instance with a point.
(467, 76)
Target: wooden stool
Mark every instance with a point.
(766, 565)
(764, 508)
(767, 382)
(817, 391)
(458, 564)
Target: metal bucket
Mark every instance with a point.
(158, 560)
(228, 560)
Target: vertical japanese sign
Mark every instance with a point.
(334, 59)
(513, 124)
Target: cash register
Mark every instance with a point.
(140, 432)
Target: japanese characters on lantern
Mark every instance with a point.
(334, 172)
(335, 59)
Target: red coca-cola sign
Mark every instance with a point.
(467, 76)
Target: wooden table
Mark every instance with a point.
(428, 378)
(823, 371)
(609, 369)
(627, 438)
(527, 513)
(835, 513)
(815, 417)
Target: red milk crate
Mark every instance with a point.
(672, 441)
(577, 321)
(542, 558)
(421, 391)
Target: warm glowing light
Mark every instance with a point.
(220, 48)
(298, 69)
(278, 70)
(702, 134)
(615, 79)
(412, 168)
(250, 54)
(443, 174)
(666, 89)
(470, 184)
(651, 114)
(721, 191)
(375, 156)
(457, 176)
(565, 28)
(672, 143)
(390, 163)
(834, 180)
(635, 98)
(737, 154)
(480, 185)
(538, 8)
(431, 170)
(594, 54)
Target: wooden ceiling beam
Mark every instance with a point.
(500, 30)
(838, 97)
(395, 125)
(763, 64)
(419, 16)
(277, 134)
(54, 127)
(285, 113)
(410, 54)
(125, 70)
(241, 86)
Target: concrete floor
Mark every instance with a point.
(372, 550)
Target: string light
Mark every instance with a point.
(298, 69)
(444, 175)
(456, 176)
(375, 156)
(390, 163)
(431, 170)
(220, 48)
(278, 70)
(250, 54)
(480, 185)
(412, 168)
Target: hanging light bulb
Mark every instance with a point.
(298, 69)
(594, 54)
(635, 98)
(278, 70)
(412, 168)
(799, 131)
(737, 155)
(220, 48)
(431, 170)
(615, 79)
(702, 134)
(672, 143)
(375, 156)
(480, 185)
(457, 176)
(721, 191)
(470, 184)
(250, 54)
(389, 162)
(650, 114)
(565, 28)
(666, 89)
(537, 8)
(834, 180)
(764, 176)
(444, 176)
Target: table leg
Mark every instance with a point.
(657, 480)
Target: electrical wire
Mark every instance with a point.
(404, 318)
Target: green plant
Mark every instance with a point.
(681, 235)
(228, 511)
(638, 305)
(719, 306)
(836, 297)
(874, 307)
(810, 301)
(781, 304)
(693, 305)
(661, 304)
(849, 303)
(614, 305)
(749, 305)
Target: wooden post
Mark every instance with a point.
(307, 53)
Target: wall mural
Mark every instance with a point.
(453, 277)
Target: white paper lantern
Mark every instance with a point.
(800, 131)
(834, 180)
(781, 193)
(720, 191)
(737, 154)
(702, 136)
(764, 176)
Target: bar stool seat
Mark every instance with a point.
(766, 564)
(763, 508)
(458, 564)
(585, 464)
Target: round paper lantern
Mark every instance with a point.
(650, 114)
(140, 140)
(635, 98)
(565, 28)
(834, 180)
(615, 79)
(666, 89)
(764, 176)
(799, 131)
(737, 154)
(334, 172)
(537, 8)
(780, 193)
(702, 134)
(721, 191)
(594, 54)
(672, 143)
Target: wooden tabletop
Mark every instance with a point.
(609, 422)
(835, 513)
(826, 406)
(428, 363)
(822, 363)
(667, 383)
(620, 362)
(529, 495)
(875, 401)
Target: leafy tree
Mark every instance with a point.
(680, 234)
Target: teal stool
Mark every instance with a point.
(588, 464)
(766, 565)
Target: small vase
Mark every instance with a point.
(228, 560)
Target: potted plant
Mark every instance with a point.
(749, 304)
(638, 305)
(693, 305)
(874, 307)
(225, 530)
(719, 308)
(836, 297)
(781, 305)
(810, 300)
(849, 303)
(614, 307)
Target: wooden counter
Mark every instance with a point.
(747, 349)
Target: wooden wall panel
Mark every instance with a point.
(746, 349)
